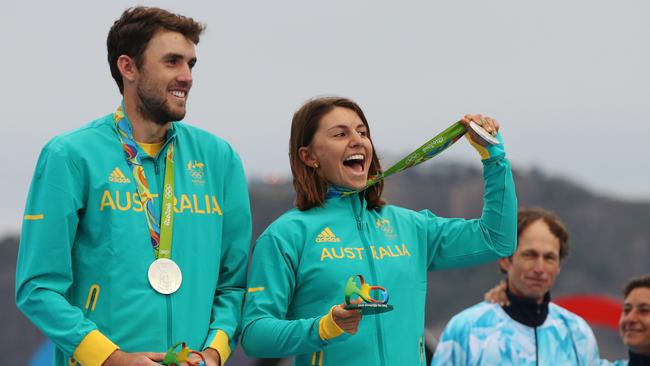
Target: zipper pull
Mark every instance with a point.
(359, 224)
(155, 166)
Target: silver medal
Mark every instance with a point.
(483, 133)
(165, 276)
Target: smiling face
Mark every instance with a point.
(634, 324)
(164, 79)
(341, 149)
(533, 267)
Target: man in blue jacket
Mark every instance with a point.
(530, 330)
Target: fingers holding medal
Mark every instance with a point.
(482, 129)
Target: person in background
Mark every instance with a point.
(634, 321)
(528, 329)
(634, 324)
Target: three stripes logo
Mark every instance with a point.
(327, 236)
(118, 177)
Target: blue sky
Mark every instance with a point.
(568, 80)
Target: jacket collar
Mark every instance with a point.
(334, 195)
(171, 131)
(637, 359)
(334, 191)
(527, 311)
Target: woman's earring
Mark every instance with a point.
(315, 165)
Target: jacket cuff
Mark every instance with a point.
(327, 327)
(221, 344)
(491, 150)
(94, 349)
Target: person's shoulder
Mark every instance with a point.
(400, 212)
(479, 315)
(286, 232)
(78, 139)
(571, 319)
(289, 222)
(211, 144)
(559, 311)
(200, 135)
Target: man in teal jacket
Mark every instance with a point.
(302, 261)
(136, 229)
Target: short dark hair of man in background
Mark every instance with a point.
(118, 259)
(530, 330)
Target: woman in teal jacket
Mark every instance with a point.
(302, 261)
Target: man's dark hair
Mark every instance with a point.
(131, 33)
(643, 281)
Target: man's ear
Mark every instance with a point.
(307, 157)
(504, 264)
(127, 68)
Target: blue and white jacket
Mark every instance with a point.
(485, 334)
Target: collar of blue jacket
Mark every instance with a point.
(527, 311)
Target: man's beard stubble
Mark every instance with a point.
(155, 109)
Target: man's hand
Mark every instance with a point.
(497, 294)
(348, 320)
(119, 358)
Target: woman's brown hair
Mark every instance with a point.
(311, 188)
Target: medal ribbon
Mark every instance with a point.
(161, 233)
(431, 148)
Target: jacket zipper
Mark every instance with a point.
(168, 299)
(536, 347)
(538, 310)
(373, 272)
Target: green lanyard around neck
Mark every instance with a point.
(161, 234)
(167, 211)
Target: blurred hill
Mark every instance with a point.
(610, 242)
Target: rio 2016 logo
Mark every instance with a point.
(197, 172)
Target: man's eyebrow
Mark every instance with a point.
(172, 55)
(641, 305)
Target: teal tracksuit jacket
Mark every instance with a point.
(302, 261)
(85, 249)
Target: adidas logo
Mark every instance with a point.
(118, 177)
(327, 236)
